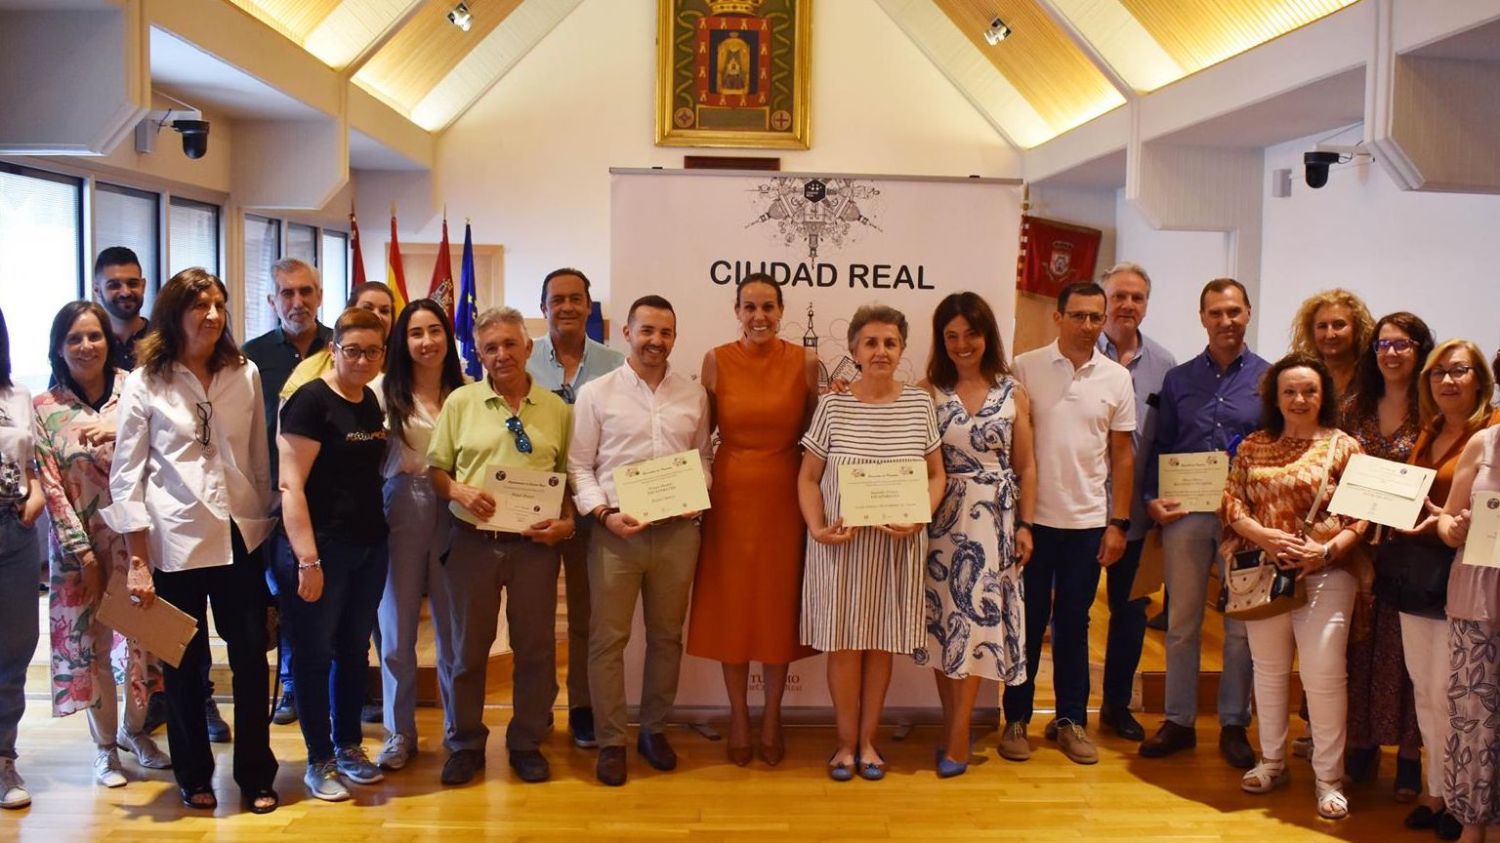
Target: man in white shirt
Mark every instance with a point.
(1083, 413)
(640, 411)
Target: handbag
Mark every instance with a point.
(1254, 586)
(1411, 573)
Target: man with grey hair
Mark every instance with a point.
(506, 419)
(1127, 290)
(298, 333)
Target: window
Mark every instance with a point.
(193, 235)
(127, 217)
(302, 243)
(262, 249)
(335, 273)
(41, 252)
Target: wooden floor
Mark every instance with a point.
(1194, 796)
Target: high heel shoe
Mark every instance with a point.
(740, 756)
(773, 753)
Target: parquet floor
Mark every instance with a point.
(1193, 796)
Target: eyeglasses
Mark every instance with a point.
(523, 442)
(566, 393)
(353, 353)
(1398, 346)
(204, 433)
(1458, 373)
(1079, 317)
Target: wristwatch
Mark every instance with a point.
(1122, 523)
(1022, 523)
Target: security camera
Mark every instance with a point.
(186, 121)
(194, 136)
(1325, 155)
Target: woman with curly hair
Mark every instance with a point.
(1334, 326)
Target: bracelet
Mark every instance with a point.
(304, 566)
(606, 512)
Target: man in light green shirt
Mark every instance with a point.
(506, 419)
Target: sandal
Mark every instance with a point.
(1265, 777)
(192, 797)
(250, 799)
(1332, 804)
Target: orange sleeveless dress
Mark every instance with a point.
(748, 592)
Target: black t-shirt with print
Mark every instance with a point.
(343, 488)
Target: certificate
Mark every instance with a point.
(1483, 544)
(523, 497)
(663, 487)
(1195, 480)
(884, 493)
(1383, 491)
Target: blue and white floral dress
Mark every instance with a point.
(973, 594)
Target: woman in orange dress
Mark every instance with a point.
(748, 591)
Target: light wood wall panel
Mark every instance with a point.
(427, 48)
(1199, 33)
(292, 18)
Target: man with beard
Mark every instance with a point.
(120, 287)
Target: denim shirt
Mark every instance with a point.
(547, 371)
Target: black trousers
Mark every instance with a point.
(239, 598)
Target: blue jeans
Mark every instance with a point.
(19, 575)
(331, 638)
(1060, 583)
(1190, 545)
(1127, 628)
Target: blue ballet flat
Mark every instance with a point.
(948, 769)
(840, 772)
(870, 771)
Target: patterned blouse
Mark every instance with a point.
(1273, 480)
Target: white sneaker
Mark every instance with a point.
(145, 750)
(13, 792)
(107, 769)
(398, 750)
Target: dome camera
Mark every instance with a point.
(195, 137)
(1317, 164)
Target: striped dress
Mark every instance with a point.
(867, 594)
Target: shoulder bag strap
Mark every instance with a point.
(1317, 503)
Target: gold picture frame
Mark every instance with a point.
(733, 73)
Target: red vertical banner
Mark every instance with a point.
(441, 288)
(1055, 254)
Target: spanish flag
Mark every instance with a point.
(394, 277)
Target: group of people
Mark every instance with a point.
(347, 471)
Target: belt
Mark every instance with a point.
(492, 535)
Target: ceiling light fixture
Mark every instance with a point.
(997, 32)
(460, 17)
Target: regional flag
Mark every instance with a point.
(395, 277)
(359, 258)
(441, 288)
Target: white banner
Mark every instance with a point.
(834, 242)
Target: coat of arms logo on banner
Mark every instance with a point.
(817, 210)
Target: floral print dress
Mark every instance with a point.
(75, 477)
(973, 593)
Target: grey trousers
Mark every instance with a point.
(657, 565)
(419, 524)
(478, 569)
(575, 565)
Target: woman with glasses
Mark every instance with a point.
(21, 502)
(191, 489)
(747, 594)
(1455, 389)
(75, 431)
(421, 370)
(1275, 511)
(331, 561)
(1471, 745)
(1384, 416)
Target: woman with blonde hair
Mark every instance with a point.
(1334, 326)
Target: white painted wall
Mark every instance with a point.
(1180, 263)
(529, 163)
(1430, 253)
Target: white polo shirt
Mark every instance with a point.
(1073, 411)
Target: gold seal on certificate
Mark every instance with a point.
(1383, 491)
(884, 493)
(523, 497)
(1483, 544)
(663, 487)
(1196, 481)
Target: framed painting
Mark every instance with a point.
(733, 73)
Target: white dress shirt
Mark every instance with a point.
(619, 420)
(1073, 412)
(182, 492)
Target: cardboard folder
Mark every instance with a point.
(1148, 577)
(161, 629)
